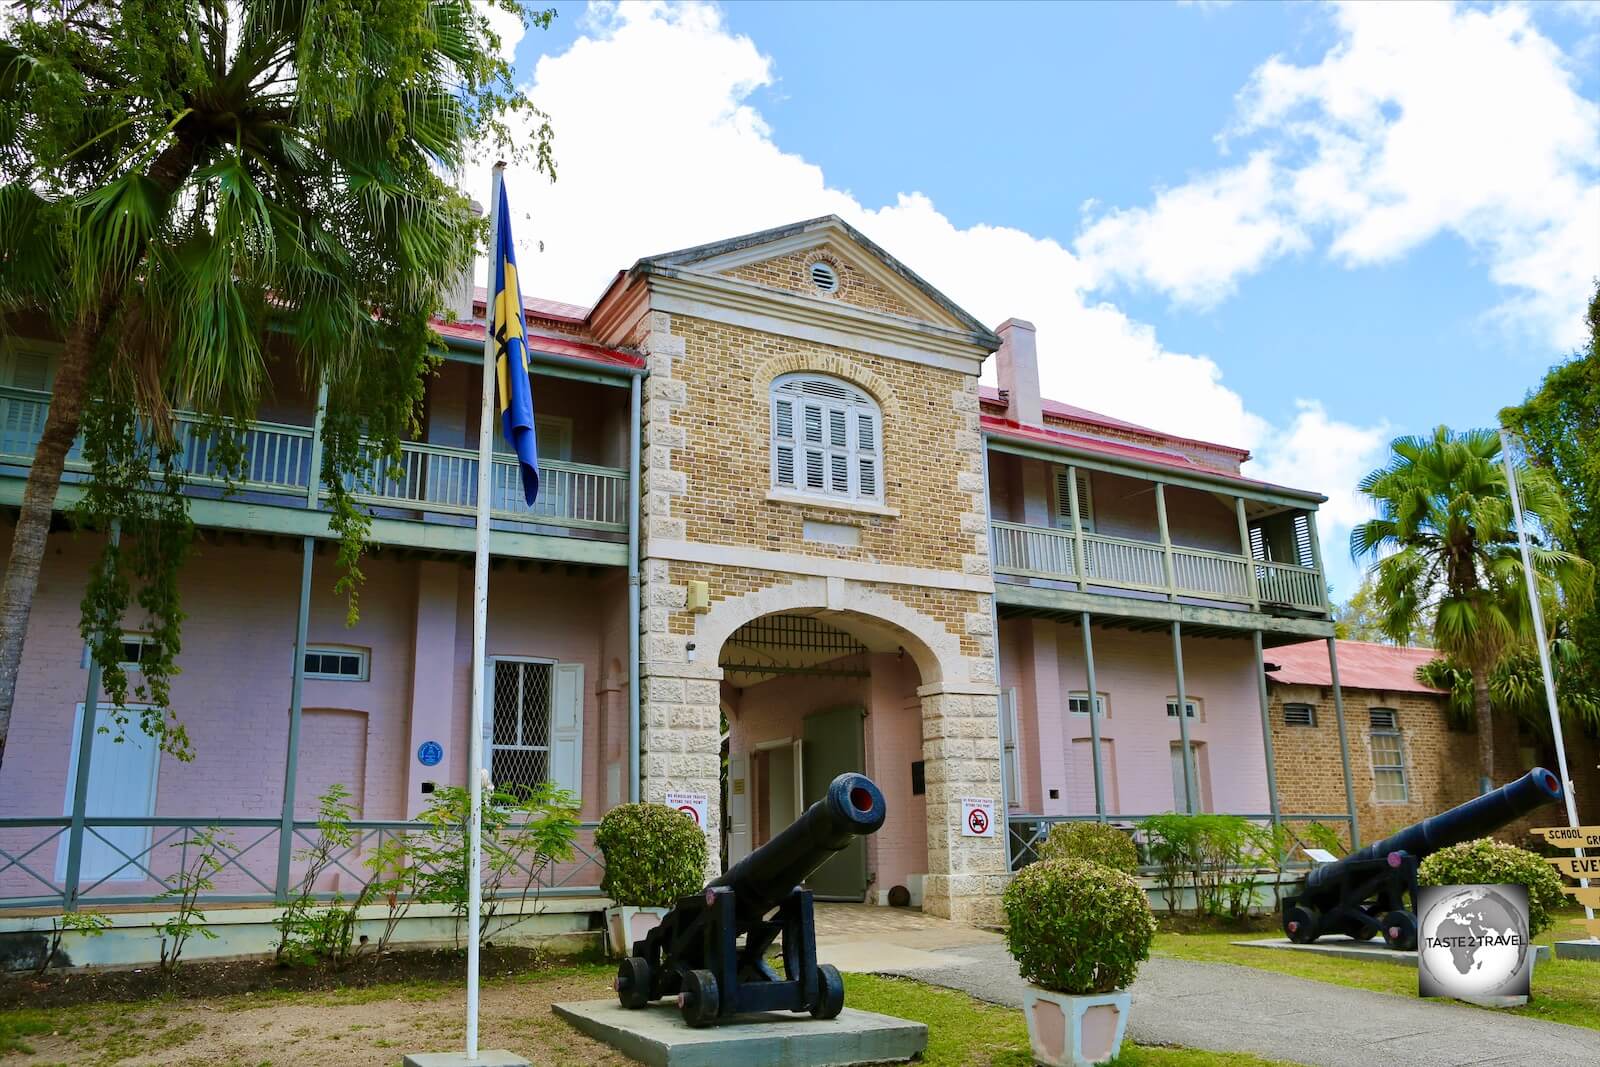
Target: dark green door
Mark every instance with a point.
(834, 744)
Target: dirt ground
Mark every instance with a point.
(368, 1026)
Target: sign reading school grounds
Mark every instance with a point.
(1580, 867)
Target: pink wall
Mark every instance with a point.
(892, 736)
(1043, 660)
(233, 693)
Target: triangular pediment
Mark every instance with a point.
(829, 261)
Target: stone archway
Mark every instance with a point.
(959, 710)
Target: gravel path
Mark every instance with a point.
(1224, 1007)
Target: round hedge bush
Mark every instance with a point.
(1489, 862)
(1093, 841)
(654, 855)
(1077, 927)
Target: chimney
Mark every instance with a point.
(460, 301)
(1017, 368)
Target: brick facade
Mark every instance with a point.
(919, 569)
(1440, 763)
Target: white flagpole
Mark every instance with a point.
(1544, 649)
(480, 619)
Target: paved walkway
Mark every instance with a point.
(1217, 1006)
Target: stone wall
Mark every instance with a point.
(918, 574)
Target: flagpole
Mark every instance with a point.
(1544, 649)
(480, 618)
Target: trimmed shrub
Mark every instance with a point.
(1093, 841)
(654, 855)
(1077, 927)
(1488, 862)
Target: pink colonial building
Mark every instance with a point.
(781, 522)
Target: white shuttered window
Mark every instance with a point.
(827, 439)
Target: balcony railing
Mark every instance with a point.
(427, 478)
(1117, 562)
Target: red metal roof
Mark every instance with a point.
(1049, 435)
(1362, 665)
(538, 307)
(556, 346)
(990, 395)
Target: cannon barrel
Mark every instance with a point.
(852, 807)
(1477, 817)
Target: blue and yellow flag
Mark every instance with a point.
(511, 356)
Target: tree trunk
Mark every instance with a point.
(38, 503)
(1483, 716)
(71, 389)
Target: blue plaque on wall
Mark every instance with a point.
(429, 753)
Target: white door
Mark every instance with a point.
(738, 808)
(122, 784)
(1180, 802)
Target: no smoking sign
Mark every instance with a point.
(977, 816)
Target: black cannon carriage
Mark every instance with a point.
(696, 955)
(1368, 892)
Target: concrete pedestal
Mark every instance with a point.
(1586, 949)
(494, 1057)
(657, 1036)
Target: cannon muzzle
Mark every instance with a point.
(1478, 817)
(852, 807)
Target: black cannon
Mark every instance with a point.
(1366, 893)
(696, 955)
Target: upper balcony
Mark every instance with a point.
(1079, 525)
(428, 499)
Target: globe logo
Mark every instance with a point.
(1474, 941)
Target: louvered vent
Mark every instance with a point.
(1383, 719)
(824, 277)
(1302, 540)
(1299, 715)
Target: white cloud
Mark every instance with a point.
(1424, 119)
(1321, 452)
(1229, 214)
(658, 147)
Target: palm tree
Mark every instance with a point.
(1444, 542)
(175, 173)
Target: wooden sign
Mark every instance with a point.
(1589, 898)
(1570, 836)
(1577, 866)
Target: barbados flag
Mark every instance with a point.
(511, 356)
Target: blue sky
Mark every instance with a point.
(1297, 227)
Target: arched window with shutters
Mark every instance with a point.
(827, 439)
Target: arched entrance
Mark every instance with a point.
(921, 665)
(808, 697)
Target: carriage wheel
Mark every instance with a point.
(1400, 930)
(830, 993)
(633, 982)
(1302, 924)
(699, 1001)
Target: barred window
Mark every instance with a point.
(1388, 762)
(826, 439)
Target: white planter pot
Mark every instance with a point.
(625, 925)
(1075, 1031)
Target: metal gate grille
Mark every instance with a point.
(520, 749)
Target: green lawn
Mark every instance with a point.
(373, 1025)
(1565, 991)
(963, 1032)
